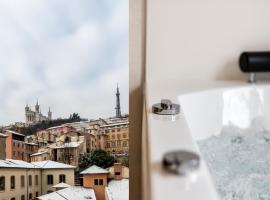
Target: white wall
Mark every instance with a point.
(193, 39)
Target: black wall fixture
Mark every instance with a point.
(255, 61)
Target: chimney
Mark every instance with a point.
(118, 171)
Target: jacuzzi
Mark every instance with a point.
(205, 109)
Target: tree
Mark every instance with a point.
(125, 161)
(97, 157)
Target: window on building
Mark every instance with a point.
(30, 180)
(113, 144)
(108, 145)
(113, 136)
(96, 181)
(30, 196)
(12, 182)
(100, 181)
(124, 143)
(106, 131)
(113, 131)
(13, 198)
(118, 136)
(22, 181)
(118, 129)
(62, 178)
(124, 135)
(2, 183)
(118, 143)
(36, 179)
(50, 179)
(36, 194)
(22, 197)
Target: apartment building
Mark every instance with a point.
(20, 180)
(116, 137)
(3, 146)
(15, 145)
(53, 173)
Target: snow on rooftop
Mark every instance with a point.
(38, 153)
(9, 163)
(95, 170)
(16, 133)
(3, 135)
(118, 189)
(70, 193)
(61, 185)
(48, 164)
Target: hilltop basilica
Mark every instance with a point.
(32, 117)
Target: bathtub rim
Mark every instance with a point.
(153, 93)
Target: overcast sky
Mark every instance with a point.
(68, 54)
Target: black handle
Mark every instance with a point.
(255, 61)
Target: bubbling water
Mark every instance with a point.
(239, 161)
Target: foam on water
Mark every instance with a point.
(239, 161)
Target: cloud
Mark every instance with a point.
(70, 56)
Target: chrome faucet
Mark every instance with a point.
(166, 107)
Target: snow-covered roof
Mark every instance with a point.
(16, 133)
(118, 189)
(55, 127)
(31, 143)
(38, 153)
(3, 135)
(70, 193)
(48, 164)
(95, 170)
(115, 124)
(66, 145)
(61, 185)
(17, 164)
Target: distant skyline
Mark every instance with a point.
(70, 56)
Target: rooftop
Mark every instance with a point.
(16, 133)
(3, 135)
(66, 145)
(115, 124)
(95, 170)
(48, 164)
(38, 153)
(118, 189)
(17, 164)
(70, 193)
(61, 185)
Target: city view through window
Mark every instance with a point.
(64, 121)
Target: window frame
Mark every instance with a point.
(4, 183)
(49, 180)
(12, 182)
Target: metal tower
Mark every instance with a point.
(118, 108)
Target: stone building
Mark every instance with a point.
(22, 180)
(96, 178)
(17, 147)
(33, 117)
(3, 146)
(116, 136)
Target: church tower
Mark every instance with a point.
(50, 114)
(37, 107)
(118, 108)
(27, 109)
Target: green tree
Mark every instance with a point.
(97, 157)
